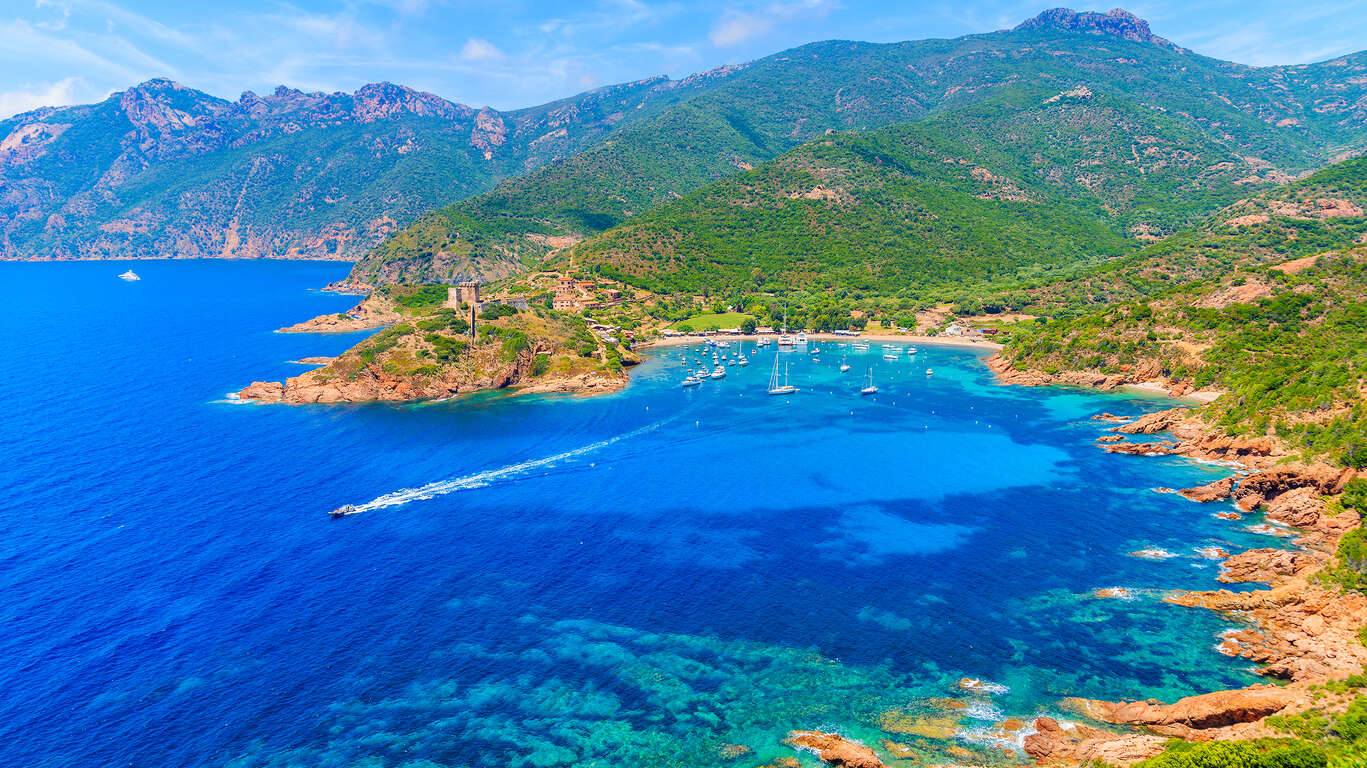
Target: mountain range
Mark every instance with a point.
(1073, 138)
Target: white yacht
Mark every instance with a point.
(719, 372)
(775, 388)
(869, 388)
(130, 276)
(691, 382)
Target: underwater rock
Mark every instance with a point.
(735, 751)
(1107, 416)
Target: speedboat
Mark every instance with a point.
(344, 510)
(130, 276)
(929, 372)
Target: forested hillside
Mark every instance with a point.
(1267, 301)
(1273, 123)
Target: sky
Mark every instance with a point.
(517, 53)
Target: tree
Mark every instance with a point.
(747, 325)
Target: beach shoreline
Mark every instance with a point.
(939, 341)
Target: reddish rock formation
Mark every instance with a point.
(1107, 416)
(1265, 565)
(1110, 439)
(1309, 632)
(1260, 488)
(371, 314)
(1054, 742)
(1182, 717)
(834, 749)
(1150, 423)
(1216, 491)
(1142, 449)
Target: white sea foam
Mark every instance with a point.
(490, 476)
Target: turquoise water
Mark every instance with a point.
(636, 578)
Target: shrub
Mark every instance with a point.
(1260, 753)
(540, 364)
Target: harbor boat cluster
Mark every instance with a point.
(711, 361)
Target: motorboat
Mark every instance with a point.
(129, 276)
(344, 510)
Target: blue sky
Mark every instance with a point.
(514, 53)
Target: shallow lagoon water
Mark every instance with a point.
(643, 576)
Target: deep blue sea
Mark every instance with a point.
(631, 579)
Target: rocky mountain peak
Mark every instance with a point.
(380, 100)
(1117, 23)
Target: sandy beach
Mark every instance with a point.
(941, 341)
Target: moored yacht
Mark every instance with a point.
(775, 388)
(869, 388)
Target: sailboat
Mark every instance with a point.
(869, 388)
(844, 366)
(780, 389)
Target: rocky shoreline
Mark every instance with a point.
(1299, 630)
(1146, 376)
(371, 314)
(371, 383)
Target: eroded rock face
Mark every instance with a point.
(1055, 742)
(1208, 710)
(1306, 633)
(834, 749)
(1216, 491)
(1267, 566)
(1117, 23)
(372, 313)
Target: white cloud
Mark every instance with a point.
(736, 26)
(476, 49)
(58, 94)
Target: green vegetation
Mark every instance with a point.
(436, 342)
(1341, 737)
(1259, 753)
(1146, 137)
(416, 298)
(1222, 306)
(712, 321)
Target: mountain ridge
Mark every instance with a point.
(161, 169)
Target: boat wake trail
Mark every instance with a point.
(490, 476)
